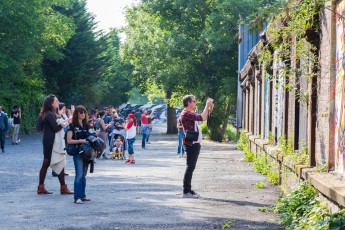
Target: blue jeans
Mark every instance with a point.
(80, 177)
(130, 145)
(180, 136)
(143, 141)
(148, 135)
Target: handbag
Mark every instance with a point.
(192, 135)
(72, 149)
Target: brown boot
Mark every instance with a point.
(42, 190)
(65, 190)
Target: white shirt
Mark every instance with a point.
(130, 133)
(197, 128)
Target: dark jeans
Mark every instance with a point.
(192, 157)
(143, 140)
(2, 138)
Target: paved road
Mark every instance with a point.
(142, 196)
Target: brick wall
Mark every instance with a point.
(324, 107)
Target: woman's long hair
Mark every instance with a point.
(75, 120)
(46, 107)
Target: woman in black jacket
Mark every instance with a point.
(47, 123)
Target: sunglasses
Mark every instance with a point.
(82, 112)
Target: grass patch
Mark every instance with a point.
(260, 185)
(227, 224)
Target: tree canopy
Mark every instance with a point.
(188, 47)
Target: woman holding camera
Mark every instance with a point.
(77, 133)
(47, 123)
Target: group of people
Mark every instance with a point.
(55, 121)
(6, 123)
(61, 126)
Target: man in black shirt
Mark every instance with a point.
(16, 116)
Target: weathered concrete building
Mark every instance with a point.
(289, 97)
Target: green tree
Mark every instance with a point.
(28, 31)
(73, 79)
(114, 84)
(189, 47)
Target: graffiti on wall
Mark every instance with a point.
(266, 105)
(339, 108)
(279, 97)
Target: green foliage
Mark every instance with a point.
(112, 87)
(227, 224)
(322, 168)
(29, 31)
(243, 144)
(261, 165)
(265, 209)
(260, 185)
(299, 22)
(300, 209)
(248, 155)
(243, 141)
(231, 131)
(136, 97)
(271, 139)
(300, 156)
(187, 47)
(265, 166)
(273, 175)
(204, 129)
(337, 220)
(91, 71)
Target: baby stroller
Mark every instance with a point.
(117, 146)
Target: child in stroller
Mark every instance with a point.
(118, 147)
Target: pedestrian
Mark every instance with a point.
(63, 121)
(16, 116)
(149, 120)
(189, 121)
(58, 158)
(138, 114)
(130, 136)
(4, 127)
(77, 133)
(47, 122)
(180, 135)
(145, 127)
(102, 127)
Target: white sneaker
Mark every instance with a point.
(190, 194)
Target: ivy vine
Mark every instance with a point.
(296, 28)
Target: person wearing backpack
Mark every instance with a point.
(4, 126)
(101, 126)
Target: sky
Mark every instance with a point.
(109, 13)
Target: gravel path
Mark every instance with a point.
(142, 196)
